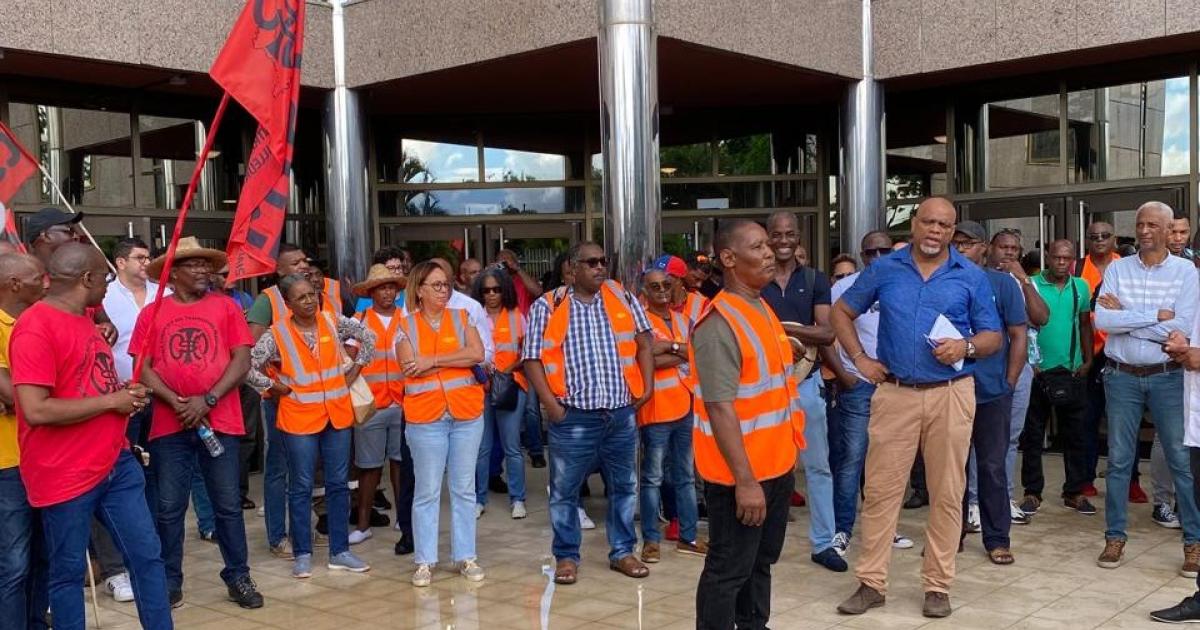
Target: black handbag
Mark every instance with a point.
(1060, 385)
(504, 391)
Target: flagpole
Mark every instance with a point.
(165, 274)
(63, 199)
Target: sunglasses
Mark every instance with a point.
(600, 261)
(839, 276)
(1103, 236)
(658, 286)
(490, 290)
(877, 252)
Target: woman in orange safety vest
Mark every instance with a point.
(443, 412)
(315, 412)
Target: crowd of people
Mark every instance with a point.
(696, 393)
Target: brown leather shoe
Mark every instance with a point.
(630, 566)
(1191, 561)
(937, 605)
(1114, 550)
(864, 599)
(651, 553)
(698, 548)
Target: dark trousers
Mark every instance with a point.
(1093, 415)
(989, 438)
(404, 490)
(1194, 457)
(1071, 423)
(735, 586)
(251, 419)
(23, 563)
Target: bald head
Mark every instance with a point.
(72, 260)
(933, 226)
(13, 264)
(22, 282)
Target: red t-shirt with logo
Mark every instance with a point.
(64, 353)
(191, 345)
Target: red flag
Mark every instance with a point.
(16, 165)
(260, 68)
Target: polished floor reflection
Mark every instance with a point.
(1054, 584)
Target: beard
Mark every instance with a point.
(930, 250)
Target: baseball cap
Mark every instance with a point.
(47, 218)
(673, 265)
(972, 229)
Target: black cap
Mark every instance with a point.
(47, 218)
(972, 229)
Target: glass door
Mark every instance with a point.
(535, 244)
(1038, 220)
(453, 241)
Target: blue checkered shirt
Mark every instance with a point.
(593, 368)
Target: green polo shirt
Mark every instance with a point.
(1054, 339)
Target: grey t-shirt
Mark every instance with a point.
(718, 358)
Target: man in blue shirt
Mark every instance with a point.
(995, 380)
(937, 314)
(800, 295)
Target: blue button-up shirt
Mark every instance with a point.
(909, 305)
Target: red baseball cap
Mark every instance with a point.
(673, 265)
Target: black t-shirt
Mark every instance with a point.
(795, 304)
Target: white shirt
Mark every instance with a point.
(1191, 396)
(867, 325)
(123, 311)
(1135, 336)
(476, 316)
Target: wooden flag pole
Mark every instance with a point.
(63, 198)
(201, 160)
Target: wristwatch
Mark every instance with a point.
(970, 349)
(210, 400)
(674, 347)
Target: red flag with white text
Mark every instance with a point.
(260, 68)
(16, 166)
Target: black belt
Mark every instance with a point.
(897, 382)
(1145, 370)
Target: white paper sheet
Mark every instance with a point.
(943, 329)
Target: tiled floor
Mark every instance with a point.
(1054, 584)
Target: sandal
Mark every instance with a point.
(1001, 555)
(566, 572)
(630, 567)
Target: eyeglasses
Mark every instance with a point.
(595, 262)
(437, 286)
(140, 258)
(395, 268)
(839, 276)
(490, 290)
(1102, 236)
(658, 286)
(877, 252)
(961, 245)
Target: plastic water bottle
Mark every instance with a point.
(1035, 353)
(210, 441)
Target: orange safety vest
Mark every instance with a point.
(767, 404)
(620, 317)
(383, 374)
(672, 399)
(332, 301)
(453, 390)
(319, 393)
(507, 335)
(693, 306)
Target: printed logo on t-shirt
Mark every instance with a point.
(190, 342)
(102, 373)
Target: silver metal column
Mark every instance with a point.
(347, 213)
(629, 136)
(861, 204)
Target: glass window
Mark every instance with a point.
(1023, 143)
(747, 155)
(424, 162)
(686, 160)
(481, 202)
(169, 147)
(87, 152)
(506, 165)
(1130, 131)
(732, 195)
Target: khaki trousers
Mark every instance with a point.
(938, 420)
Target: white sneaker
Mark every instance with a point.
(471, 570)
(1016, 514)
(261, 512)
(423, 576)
(518, 510)
(119, 587)
(973, 525)
(584, 521)
(902, 542)
(357, 536)
(841, 541)
(479, 510)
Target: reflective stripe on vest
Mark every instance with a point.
(319, 393)
(448, 390)
(507, 336)
(767, 404)
(672, 399)
(383, 375)
(624, 330)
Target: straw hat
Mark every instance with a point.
(804, 357)
(376, 276)
(188, 248)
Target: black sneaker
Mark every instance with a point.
(381, 501)
(1186, 611)
(831, 560)
(176, 598)
(245, 592)
(497, 485)
(247, 504)
(323, 525)
(918, 498)
(1030, 504)
(379, 519)
(537, 461)
(404, 546)
(1080, 504)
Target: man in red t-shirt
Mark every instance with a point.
(75, 462)
(197, 352)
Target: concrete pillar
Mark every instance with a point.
(629, 136)
(861, 203)
(347, 213)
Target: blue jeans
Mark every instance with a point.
(205, 521)
(578, 442)
(275, 477)
(1126, 396)
(449, 448)
(23, 594)
(848, 437)
(177, 459)
(532, 436)
(815, 456)
(332, 447)
(119, 501)
(1020, 405)
(507, 425)
(662, 442)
